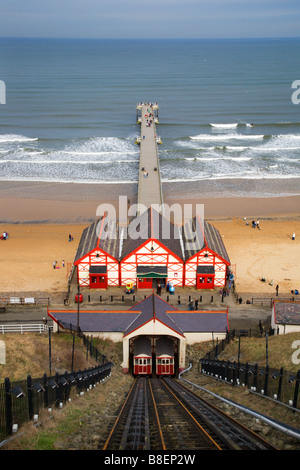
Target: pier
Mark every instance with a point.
(149, 185)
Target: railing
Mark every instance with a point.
(21, 401)
(91, 297)
(219, 346)
(25, 301)
(268, 301)
(23, 328)
(277, 384)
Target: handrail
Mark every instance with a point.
(22, 328)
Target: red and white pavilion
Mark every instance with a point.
(154, 253)
(149, 249)
(206, 258)
(97, 257)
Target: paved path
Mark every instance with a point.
(149, 191)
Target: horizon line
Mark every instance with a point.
(154, 39)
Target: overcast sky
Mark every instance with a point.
(150, 18)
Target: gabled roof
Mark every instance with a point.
(184, 242)
(198, 234)
(287, 313)
(153, 308)
(104, 234)
(152, 224)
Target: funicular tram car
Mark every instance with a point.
(142, 360)
(165, 364)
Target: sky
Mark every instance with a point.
(150, 18)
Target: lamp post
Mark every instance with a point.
(78, 293)
(267, 352)
(49, 336)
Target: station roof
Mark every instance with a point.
(150, 309)
(94, 320)
(201, 321)
(153, 307)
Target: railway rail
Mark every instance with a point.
(162, 414)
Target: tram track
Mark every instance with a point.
(162, 414)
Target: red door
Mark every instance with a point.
(142, 366)
(98, 281)
(144, 283)
(205, 281)
(165, 366)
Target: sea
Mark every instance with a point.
(229, 117)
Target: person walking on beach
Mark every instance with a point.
(277, 288)
(54, 264)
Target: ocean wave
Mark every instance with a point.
(67, 162)
(107, 152)
(210, 137)
(224, 126)
(208, 159)
(102, 144)
(4, 138)
(235, 176)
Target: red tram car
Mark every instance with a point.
(142, 360)
(165, 364)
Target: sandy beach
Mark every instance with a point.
(39, 219)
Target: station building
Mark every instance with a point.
(206, 258)
(156, 255)
(143, 326)
(151, 249)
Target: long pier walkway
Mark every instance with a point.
(149, 188)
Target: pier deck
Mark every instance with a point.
(149, 188)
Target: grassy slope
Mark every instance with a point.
(28, 354)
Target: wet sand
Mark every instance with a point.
(28, 202)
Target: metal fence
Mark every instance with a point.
(21, 401)
(268, 301)
(24, 301)
(278, 384)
